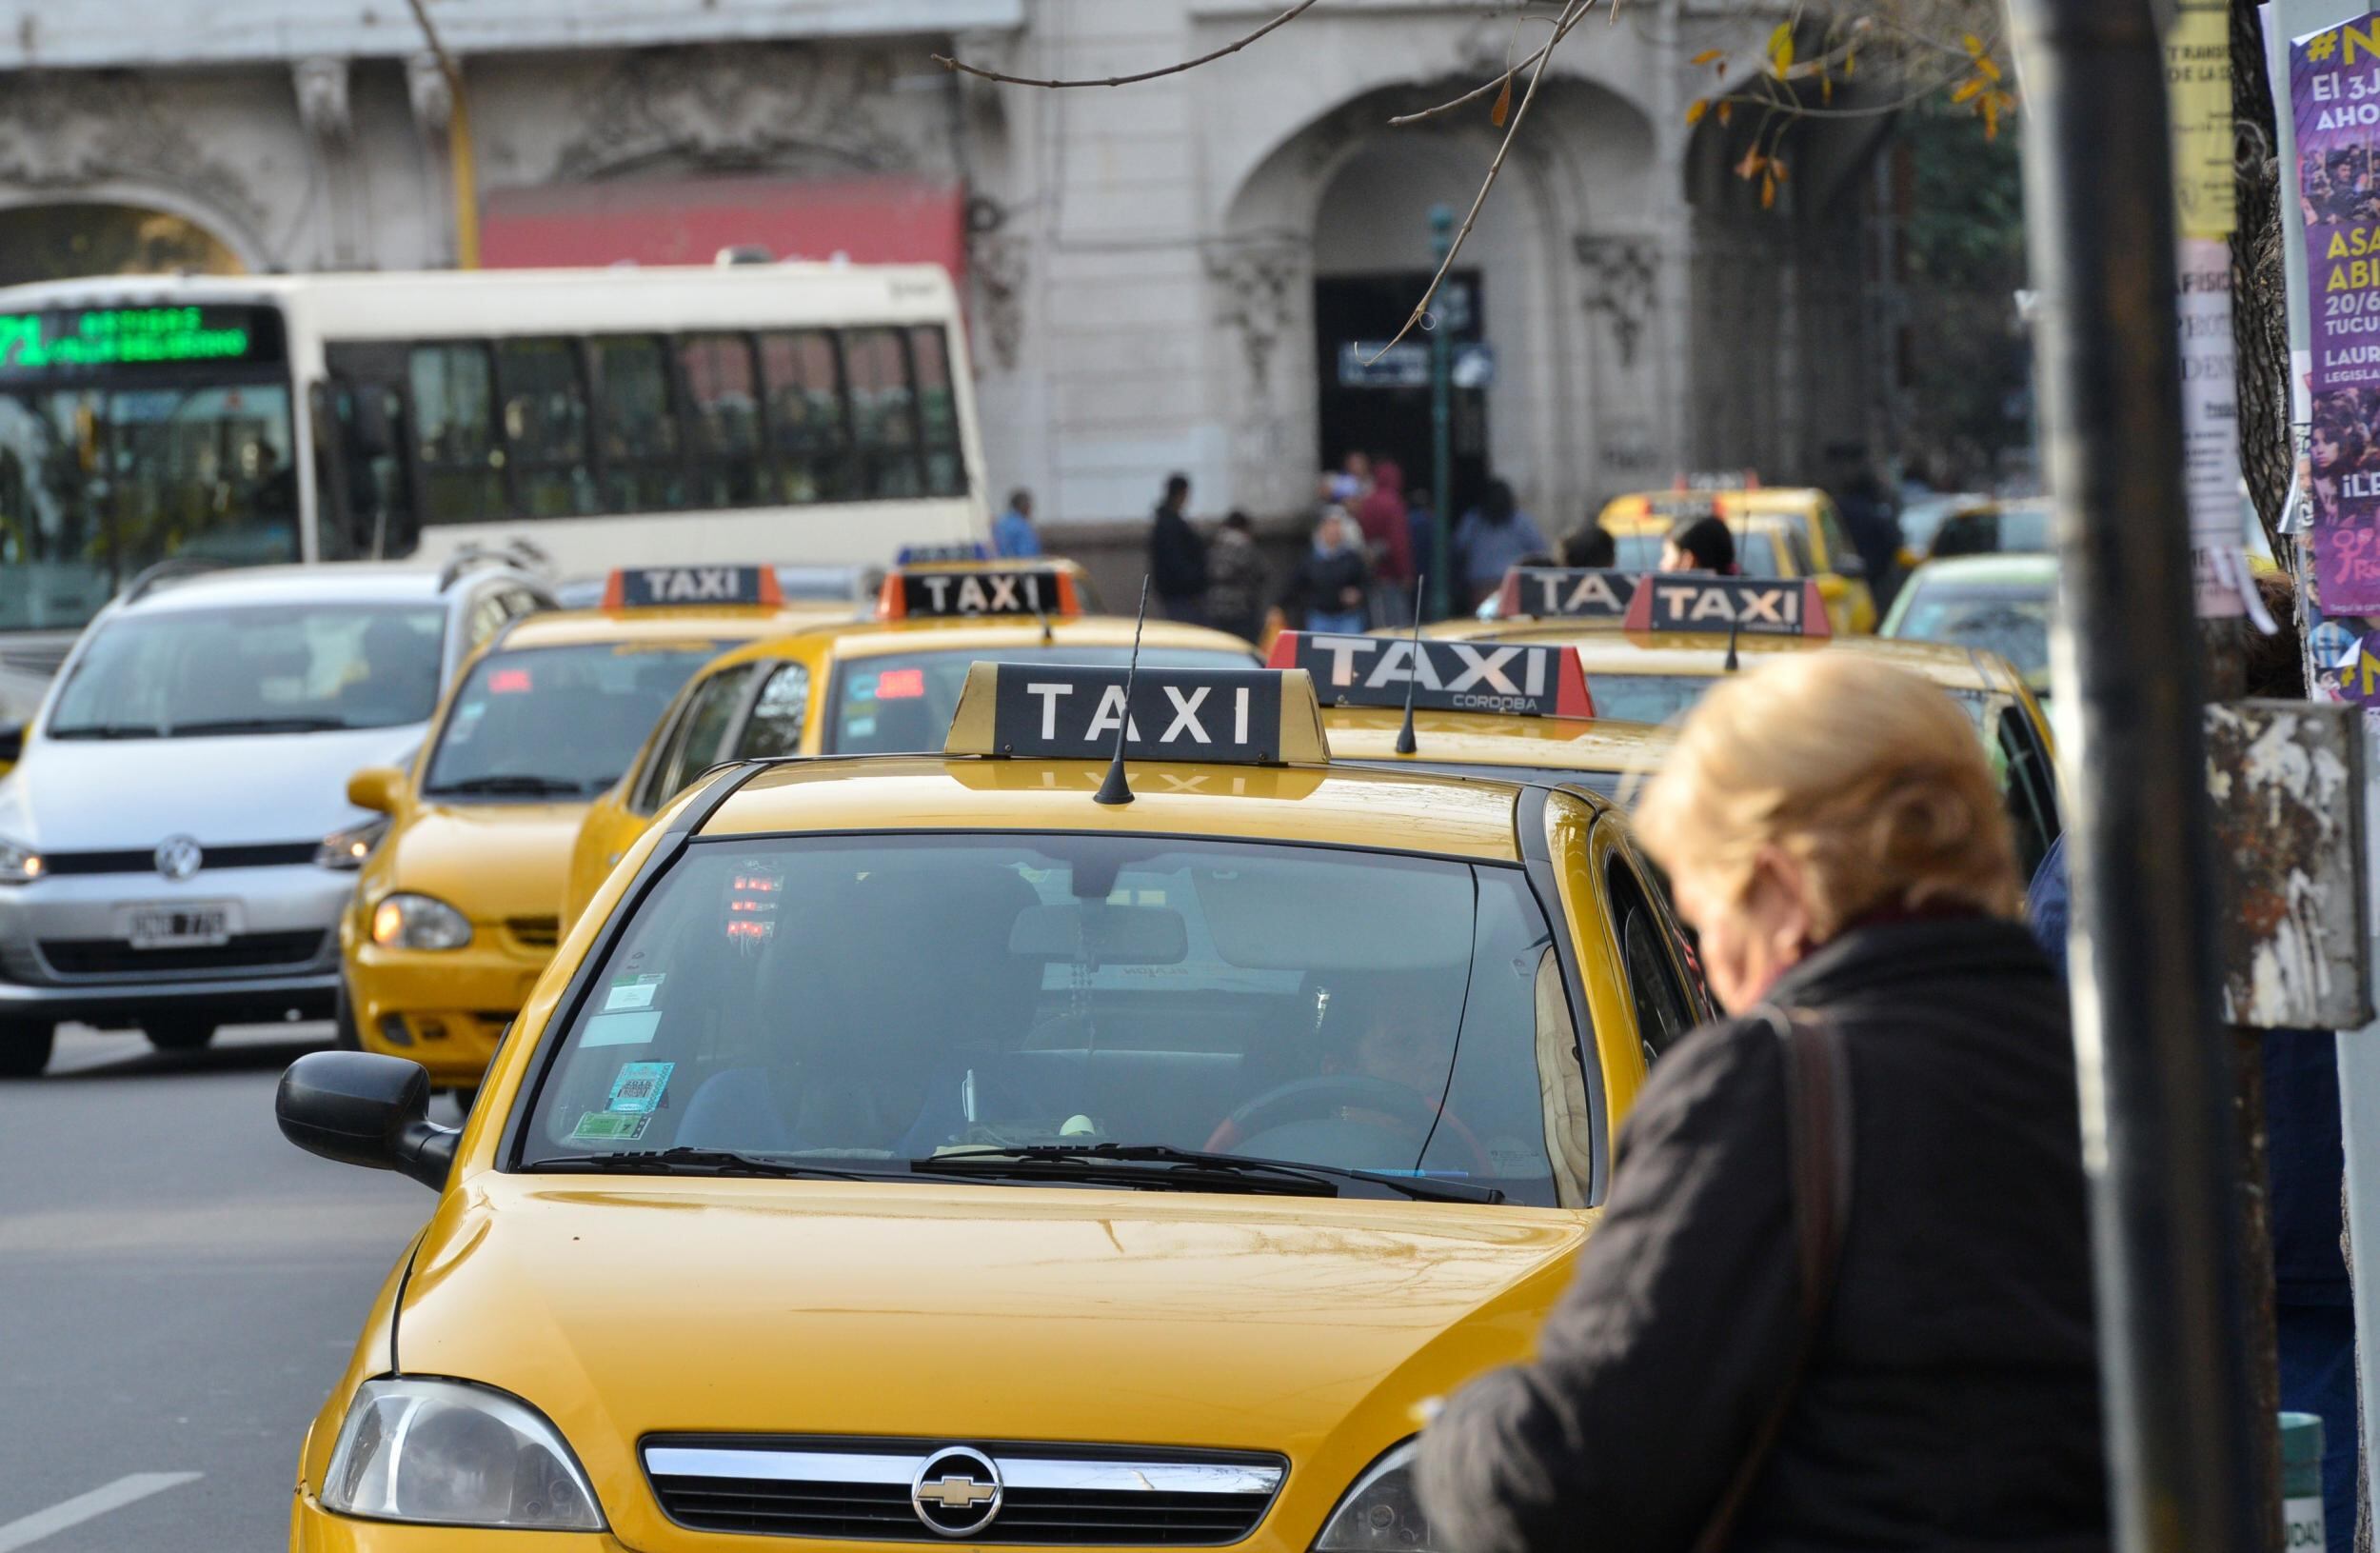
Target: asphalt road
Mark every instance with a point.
(179, 1288)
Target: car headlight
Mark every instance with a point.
(454, 1454)
(347, 849)
(417, 921)
(19, 864)
(1380, 1514)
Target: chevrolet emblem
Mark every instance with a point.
(957, 1492)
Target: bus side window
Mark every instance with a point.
(883, 413)
(636, 431)
(364, 400)
(454, 409)
(545, 422)
(808, 428)
(724, 418)
(938, 413)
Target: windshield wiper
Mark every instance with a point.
(510, 783)
(109, 731)
(256, 724)
(691, 1161)
(1189, 1165)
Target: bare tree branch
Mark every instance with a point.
(1281, 21)
(1561, 30)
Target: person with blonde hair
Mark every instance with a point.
(1840, 1293)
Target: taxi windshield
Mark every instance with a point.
(258, 668)
(900, 703)
(557, 722)
(872, 1002)
(2012, 622)
(1656, 698)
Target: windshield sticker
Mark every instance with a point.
(638, 1090)
(634, 991)
(635, 1027)
(606, 1127)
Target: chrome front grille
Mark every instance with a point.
(880, 1491)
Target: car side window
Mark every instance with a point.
(1664, 1012)
(1841, 555)
(2032, 792)
(698, 740)
(774, 727)
(486, 616)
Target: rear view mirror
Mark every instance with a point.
(359, 1107)
(1096, 933)
(376, 787)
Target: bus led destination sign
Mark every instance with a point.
(43, 342)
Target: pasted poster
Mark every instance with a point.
(2334, 96)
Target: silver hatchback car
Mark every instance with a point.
(175, 841)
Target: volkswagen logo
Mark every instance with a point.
(178, 857)
(957, 1492)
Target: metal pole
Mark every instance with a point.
(2153, 1073)
(463, 170)
(1442, 428)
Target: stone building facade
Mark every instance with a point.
(1167, 275)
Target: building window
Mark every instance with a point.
(454, 403)
(722, 406)
(635, 429)
(884, 411)
(938, 413)
(807, 429)
(544, 421)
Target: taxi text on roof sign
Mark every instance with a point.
(1068, 711)
(976, 591)
(1567, 593)
(1516, 679)
(650, 588)
(1681, 602)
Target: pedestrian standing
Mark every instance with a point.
(1491, 539)
(1388, 544)
(1177, 556)
(1329, 590)
(1013, 535)
(1235, 592)
(1589, 545)
(1422, 533)
(1840, 1293)
(1703, 545)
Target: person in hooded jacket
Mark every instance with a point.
(1388, 542)
(1832, 828)
(1329, 591)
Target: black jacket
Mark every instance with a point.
(1953, 1398)
(1177, 557)
(1319, 583)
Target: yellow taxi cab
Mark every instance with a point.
(884, 687)
(1640, 520)
(1650, 646)
(454, 913)
(1517, 711)
(1005, 1146)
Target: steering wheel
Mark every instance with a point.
(1320, 1097)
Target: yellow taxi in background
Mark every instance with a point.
(885, 687)
(1513, 711)
(1638, 522)
(455, 912)
(1651, 646)
(973, 1150)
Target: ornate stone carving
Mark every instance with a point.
(71, 131)
(1621, 280)
(321, 98)
(1256, 282)
(997, 263)
(433, 99)
(775, 108)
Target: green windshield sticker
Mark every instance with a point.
(638, 1090)
(635, 1027)
(633, 991)
(608, 1127)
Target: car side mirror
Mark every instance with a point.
(376, 787)
(11, 741)
(359, 1107)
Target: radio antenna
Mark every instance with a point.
(1734, 626)
(1115, 789)
(1412, 674)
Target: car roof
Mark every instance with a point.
(1608, 651)
(1998, 569)
(877, 638)
(1369, 733)
(717, 623)
(1330, 805)
(347, 582)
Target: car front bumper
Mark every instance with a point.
(445, 1010)
(313, 1529)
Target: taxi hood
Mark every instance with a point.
(625, 1307)
(493, 860)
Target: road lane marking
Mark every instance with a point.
(82, 1508)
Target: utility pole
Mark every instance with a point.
(459, 163)
(1441, 426)
(2154, 1073)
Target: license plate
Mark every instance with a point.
(178, 926)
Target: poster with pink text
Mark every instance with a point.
(2334, 93)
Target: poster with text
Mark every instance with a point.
(2334, 96)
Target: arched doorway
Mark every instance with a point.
(62, 240)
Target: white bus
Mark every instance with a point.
(781, 412)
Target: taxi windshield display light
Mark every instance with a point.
(979, 592)
(1567, 593)
(1070, 711)
(1512, 678)
(901, 684)
(510, 682)
(957, 553)
(1669, 602)
(676, 587)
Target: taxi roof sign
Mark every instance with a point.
(951, 552)
(1072, 712)
(662, 587)
(1567, 593)
(1516, 679)
(976, 592)
(1754, 606)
